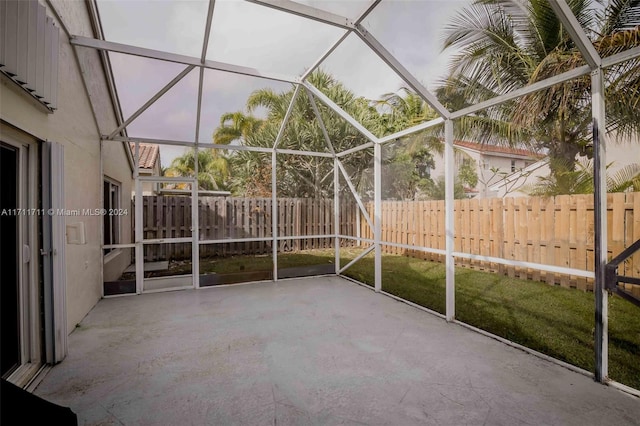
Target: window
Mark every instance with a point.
(513, 165)
(111, 192)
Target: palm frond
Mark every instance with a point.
(620, 15)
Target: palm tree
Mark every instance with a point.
(297, 175)
(508, 44)
(213, 170)
(235, 126)
(580, 180)
(404, 109)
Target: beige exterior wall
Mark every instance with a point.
(74, 126)
(484, 163)
(117, 168)
(620, 153)
(150, 188)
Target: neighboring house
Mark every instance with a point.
(492, 163)
(149, 165)
(619, 153)
(56, 174)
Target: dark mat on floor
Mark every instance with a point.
(20, 407)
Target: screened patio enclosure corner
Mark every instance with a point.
(349, 215)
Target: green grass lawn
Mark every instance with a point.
(553, 320)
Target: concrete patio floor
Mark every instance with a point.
(309, 351)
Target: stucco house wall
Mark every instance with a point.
(116, 167)
(78, 129)
(620, 152)
(485, 161)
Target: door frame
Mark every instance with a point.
(29, 290)
(141, 241)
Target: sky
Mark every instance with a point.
(251, 35)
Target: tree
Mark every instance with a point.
(405, 109)
(435, 189)
(467, 172)
(297, 175)
(405, 172)
(235, 126)
(213, 169)
(508, 44)
(580, 181)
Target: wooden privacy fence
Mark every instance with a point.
(555, 231)
(234, 218)
(552, 231)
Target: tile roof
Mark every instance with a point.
(149, 154)
(498, 149)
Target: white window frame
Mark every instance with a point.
(31, 338)
(113, 219)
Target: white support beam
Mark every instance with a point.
(357, 258)
(305, 153)
(600, 225)
(274, 215)
(377, 213)
(248, 240)
(234, 240)
(359, 239)
(354, 149)
(201, 145)
(527, 265)
(336, 213)
(352, 188)
(535, 87)
(412, 130)
(333, 47)
(138, 231)
(179, 59)
(449, 176)
(324, 56)
(207, 31)
(305, 11)
(304, 237)
(285, 120)
(396, 66)
(167, 240)
(195, 218)
(179, 179)
(342, 113)
(576, 32)
(151, 101)
(147, 140)
(195, 230)
(236, 147)
(199, 108)
(367, 11)
(627, 55)
(320, 122)
(415, 248)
